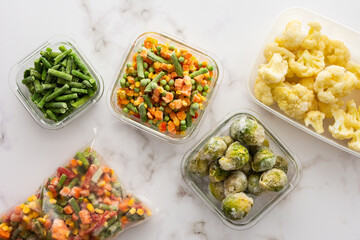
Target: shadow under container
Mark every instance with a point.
(22, 93)
(201, 55)
(262, 203)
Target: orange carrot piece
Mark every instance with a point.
(162, 127)
(168, 97)
(68, 210)
(159, 115)
(181, 115)
(187, 55)
(4, 235)
(85, 216)
(196, 98)
(171, 127)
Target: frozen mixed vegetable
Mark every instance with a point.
(308, 74)
(165, 87)
(238, 172)
(59, 83)
(83, 200)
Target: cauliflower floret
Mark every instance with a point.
(336, 53)
(262, 91)
(315, 119)
(352, 114)
(308, 82)
(328, 108)
(334, 82)
(275, 70)
(292, 37)
(339, 129)
(354, 143)
(272, 48)
(355, 69)
(294, 100)
(312, 40)
(308, 63)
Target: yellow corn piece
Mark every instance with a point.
(46, 216)
(5, 228)
(161, 89)
(178, 92)
(150, 75)
(157, 65)
(131, 113)
(99, 211)
(90, 207)
(193, 58)
(26, 209)
(101, 183)
(26, 219)
(186, 72)
(140, 212)
(34, 215)
(136, 94)
(132, 211)
(86, 200)
(192, 68)
(75, 171)
(79, 162)
(107, 193)
(22, 206)
(132, 86)
(184, 103)
(207, 75)
(75, 231)
(52, 200)
(132, 100)
(42, 220)
(131, 202)
(49, 194)
(32, 198)
(137, 84)
(201, 106)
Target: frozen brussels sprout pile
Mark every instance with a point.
(240, 166)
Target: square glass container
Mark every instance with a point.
(331, 29)
(262, 203)
(24, 96)
(202, 55)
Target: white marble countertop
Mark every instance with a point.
(326, 203)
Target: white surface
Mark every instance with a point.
(325, 205)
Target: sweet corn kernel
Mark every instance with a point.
(79, 162)
(83, 178)
(107, 193)
(75, 231)
(137, 84)
(161, 89)
(140, 212)
(201, 106)
(22, 206)
(131, 113)
(99, 211)
(32, 198)
(178, 92)
(26, 209)
(49, 194)
(186, 72)
(101, 183)
(184, 103)
(157, 65)
(42, 220)
(192, 68)
(70, 223)
(136, 94)
(132, 86)
(75, 171)
(166, 77)
(150, 75)
(86, 200)
(182, 132)
(132, 100)
(26, 219)
(204, 64)
(131, 202)
(34, 215)
(90, 207)
(5, 228)
(52, 200)
(206, 75)
(132, 211)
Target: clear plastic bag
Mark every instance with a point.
(83, 199)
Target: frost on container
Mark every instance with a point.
(82, 200)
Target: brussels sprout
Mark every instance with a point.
(236, 206)
(253, 184)
(227, 139)
(236, 157)
(217, 190)
(248, 131)
(214, 148)
(263, 160)
(199, 165)
(255, 148)
(236, 182)
(281, 164)
(273, 180)
(216, 174)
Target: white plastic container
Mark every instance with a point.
(333, 30)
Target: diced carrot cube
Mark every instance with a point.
(196, 98)
(149, 115)
(186, 67)
(187, 55)
(174, 75)
(159, 115)
(181, 115)
(143, 54)
(85, 216)
(65, 191)
(68, 210)
(171, 127)
(168, 97)
(162, 127)
(176, 121)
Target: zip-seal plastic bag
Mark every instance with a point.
(83, 199)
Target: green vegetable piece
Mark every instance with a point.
(75, 206)
(80, 75)
(69, 65)
(255, 148)
(236, 157)
(87, 83)
(82, 158)
(140, 66)
(217, 190)
(60, 57)
(42, 101)
(263, 160)
(248, 131)
(181, 59)
(236, 206)
(210, 68)
(253, 184)
(62, 179)
(37, 65)
(57, 110)
(199, 72)
(152, 56)
(51, 115)
(235, 183)
(177, 65)
(273, 180)
(37, 85)
(131, 107)
(147, 101)
(57, 93)
(28, 79)
(142, 112)
(67, 97)
(73, 183)
(216, 174)
(59, 74)
(80, 102)
(95, 178)
(45, 86)
(36, 97)
(193, 108)
(66, 114)
(154, 81)
(281, 164)
(62, 48)
(45, 62)
(79, 90)
(80, 63)
(36, 74)
(227, 139)
(199, 165)
(76, 85)
(214, 148)
(56, 105)
(108, 207)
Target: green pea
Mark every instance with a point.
(154, 86)
(163, 82)
(161, 108)
(158, 47)
(136, 90)
(193, 81)
(164, 93)
(167, 87)
(150, 122)
(128, 65)
(171, 47)
(210, 79)
(125, 75)
(136, 79)
(146, 74)
(156, 105)
(204, 94)
(171, 82)
(210, 68)
(183, 127)
(166, 118)
(143, 82)
(122, 82)
(206, 88)
(163, 104)
(139, 51)
(200, 64)
(199, 88)
(146, 65)
(126, 110)
(127, 84)
(151, 69)
(182, 122)
(181, 59)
